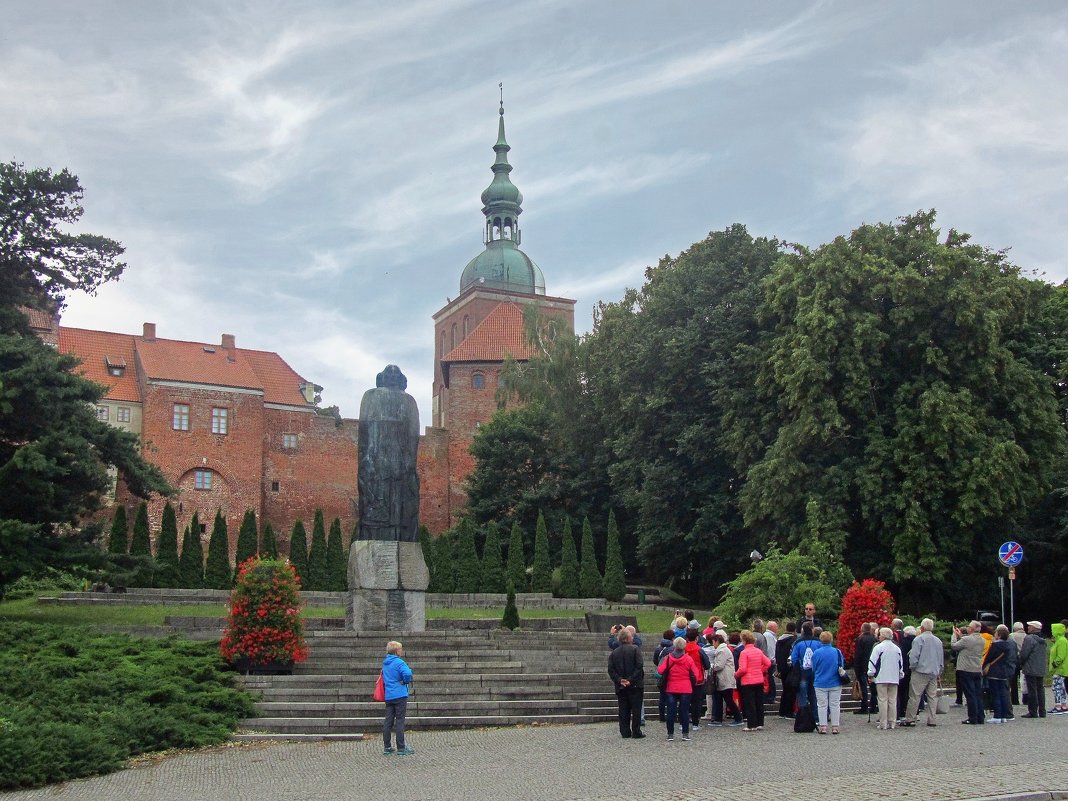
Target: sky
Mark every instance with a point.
(306, 176)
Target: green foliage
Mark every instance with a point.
(118, 538)
(270, 542)
(298, 550)
(493, 579)
(468, 568)
(264, 624)
(443, 571)
(516, 569)
(591, 584)
(141, 544)
(318, 570)
(337, 563)
(426, 542)
(217, 572)
(510, 619)
(541, 575)
(191, 562)
(247, 547)
(615, 582)
(79, 703)
(167, 549)
(569, 564)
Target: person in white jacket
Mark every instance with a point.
(885, 669)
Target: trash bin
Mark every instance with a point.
(641, 596)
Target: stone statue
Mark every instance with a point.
(386, 476)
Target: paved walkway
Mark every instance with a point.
(592, 763)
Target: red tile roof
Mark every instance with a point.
(499, 334)
(93, 347)
(40, 320)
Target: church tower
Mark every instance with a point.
(477, 330)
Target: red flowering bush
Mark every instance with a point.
(264, 623)
(862, 603)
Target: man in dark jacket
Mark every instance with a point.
(810, 617)
(861, 655)
(1033, 664)
(625, 668)
(908, 637)
(783, 646)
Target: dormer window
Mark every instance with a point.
(116, 365)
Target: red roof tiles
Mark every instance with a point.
(498, 335)
(93, 348)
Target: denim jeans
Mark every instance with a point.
(972, 684)
(999, 689)
(678, 705)
(396, 711)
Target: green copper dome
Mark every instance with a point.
(502, 265)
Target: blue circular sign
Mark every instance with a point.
(1010, 553)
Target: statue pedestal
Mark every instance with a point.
(387, 586)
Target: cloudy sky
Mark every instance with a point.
(306, 176)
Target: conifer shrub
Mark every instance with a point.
(615, 581)
(445, 561)
(569, 564)
(318, 574)
(264, 625)
(191, 562)
(541, 579)
(468, 567)
(141, 544)
(118, 539)
(492, 566)
(167, 549)
(590, 582)
(517, 561)
(247, 546)
(510, 619)
(337, 563)
(217, 572)
(864, 602)
(269, 547)
(298, 550)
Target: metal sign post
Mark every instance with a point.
(1010, 554)
(1001, 586)
(1012, 603)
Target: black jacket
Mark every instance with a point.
(783, 647)
(625, 662)
(862, 653)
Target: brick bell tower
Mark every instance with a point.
(476, 331)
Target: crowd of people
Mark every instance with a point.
(714, 677)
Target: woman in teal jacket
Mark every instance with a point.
(1058, 669)
(396, 676)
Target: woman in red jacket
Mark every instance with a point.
(752, 665)
(677, 669)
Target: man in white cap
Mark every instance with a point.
(1033, 663)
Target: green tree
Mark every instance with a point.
(191, 562)
(336, 563)
(569, 564)
(426, 542)
(141, 544)
(298, 551)
(510, 620)
(517, 561)
(590, 583)
(542, 573)
(167, 549)
(615, 581)
(318, 571)
(468, 568)
(493, 579)
(445, 561)
(247, 547)
(269, 548)
(218, 574)
(118, 541)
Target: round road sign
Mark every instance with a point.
(1010, 554)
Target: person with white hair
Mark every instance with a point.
(885, 669)
(1018, 636)
(927, 659)
(970, 646)
(1033, 665)
(396, 676)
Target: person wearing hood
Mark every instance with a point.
(1058, 669)
(662, 650)
(680, 676)
(396, 676)
(1033, 664)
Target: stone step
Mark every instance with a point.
(328, 695)
(336, 725)
(417, 708)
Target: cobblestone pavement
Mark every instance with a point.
(592, 763)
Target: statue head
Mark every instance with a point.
(392, 378)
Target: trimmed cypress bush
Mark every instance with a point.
(569, 564)
(336, 563)
(141, 544)
(298, 551)
(167, 549)
(517, 561)
(247, 547)
(541, 579)
(217, 573)
(468, 568)
(590, 582)
(270, 542)
(317, 570)
(191, 562)
(510, 620)
(118, 540)
(492, 566)
(615, 582)
(445, 561)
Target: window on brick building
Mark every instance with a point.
(102, 413)
(180, 421)
(202, 479)
(467, 324)
(274, 486)
(289, 441)
(478, 381)
(220, 421)
(122, 414)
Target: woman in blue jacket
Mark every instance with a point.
(828, 668)
(396, 676)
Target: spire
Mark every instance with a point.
(502, 200)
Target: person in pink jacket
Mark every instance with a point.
(752, 665)
(677, 668)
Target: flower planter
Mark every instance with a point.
(249, 668)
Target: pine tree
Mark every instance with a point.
(445, 561)
(468, 568)
(510, 620)
(590, 582)
(217, 572)
(542, 575)
(492, 566)
(517, 561)
(191, 562)
(615, 581)
(141, 544)
(269, 548)
(317, 570)
(298, 551)
(337, 566)
(167, 549)
(118, 541)
(247, 547)
(569, 564)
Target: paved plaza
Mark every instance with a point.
(592, 763)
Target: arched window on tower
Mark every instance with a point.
(452, 343)
(507, 227)
(467, 325)
(478, 381)
(441, 354)
(496, 227)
